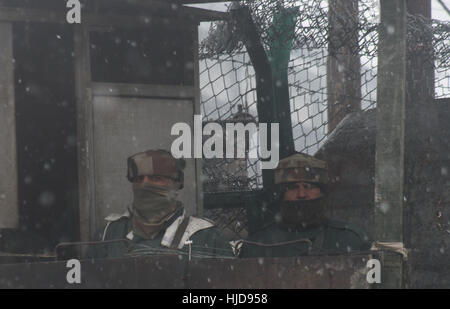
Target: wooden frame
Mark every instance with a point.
(197, 111)
(143, 90)
(9, 211)
(84, 132)
(12, 14)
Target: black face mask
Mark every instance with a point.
(303, 214)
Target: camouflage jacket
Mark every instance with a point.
(333, 237)
(207, 239)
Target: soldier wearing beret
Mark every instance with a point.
(301, 227)
(156, 223)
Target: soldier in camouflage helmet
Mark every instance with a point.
(155, 222)
(301, 227)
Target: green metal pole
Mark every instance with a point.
(266, 109)
(281, 37)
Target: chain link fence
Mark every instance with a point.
(228, 85)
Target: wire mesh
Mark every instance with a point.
(227, 78)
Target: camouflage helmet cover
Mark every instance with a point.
(157, 163)
(301, 168)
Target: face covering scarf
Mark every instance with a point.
(152, 207)
(303, 214)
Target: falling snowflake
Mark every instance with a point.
(46, 198)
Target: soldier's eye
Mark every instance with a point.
(157, 178)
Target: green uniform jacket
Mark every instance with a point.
(333, 237)
(206, 242)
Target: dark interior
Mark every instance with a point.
(145, 57)
(46, 138)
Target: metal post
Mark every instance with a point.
(281, 36)
(9, 211)
(85, 145)
(266, 109)
(343, 63)
(194, 42)
(389, 154)
(423, 185)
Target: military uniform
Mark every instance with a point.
(332, 237)
(303, 228)
(155, 223)
(207, 239)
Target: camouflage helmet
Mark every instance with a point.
(157, 163)
(301, 168)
